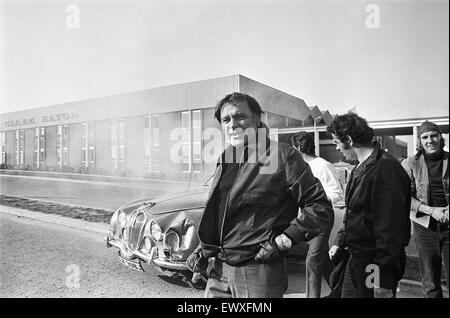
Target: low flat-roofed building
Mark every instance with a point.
(167, 132)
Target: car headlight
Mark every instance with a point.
(156, 232)
(186, 239)
(172, 241)
(147, 243)
(122, 218)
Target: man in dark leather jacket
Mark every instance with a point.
(376, 223)
(251, 217)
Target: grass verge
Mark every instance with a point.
(75, 212)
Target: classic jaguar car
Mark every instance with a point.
(162, 233)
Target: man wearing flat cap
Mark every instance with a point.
(428, 171)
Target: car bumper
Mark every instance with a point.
(152, 258)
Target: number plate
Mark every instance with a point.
(136, 265)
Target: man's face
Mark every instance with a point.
(431, 142)
(237, 119)
(347, 150)
(296, 144)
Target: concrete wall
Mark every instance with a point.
(29, 149)
(75, 133)
(134, 132)
(10, 159)
(103, 147)
(169, 168)
(50, 148)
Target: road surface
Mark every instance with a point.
(25, 243)
(40, 259)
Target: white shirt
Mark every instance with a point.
(327, 175)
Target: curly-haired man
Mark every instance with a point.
(376, 223)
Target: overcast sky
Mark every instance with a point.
(334, 54)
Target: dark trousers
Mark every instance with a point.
(432, 249)
(336, 278)
(318, 263)
(248, 281)
(355, 278)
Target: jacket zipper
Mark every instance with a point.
(214, 185)
(226, 202)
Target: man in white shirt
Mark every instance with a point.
(317, 260)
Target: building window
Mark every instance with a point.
(19, 148)
(36, 148)
(186, 141)
(91, 144)
(3, 147)
(42, 146)
(62, 145)
(147, 144)
(155, 144)
(191, 125)
(88, 145)
(113, 133)
(118, 154)
(39, 147)
(197, 140)
(121, 142)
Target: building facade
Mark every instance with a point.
(165, 133)
(168, 132)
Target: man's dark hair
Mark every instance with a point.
(304, 142)
(235, 99)
(354, 126)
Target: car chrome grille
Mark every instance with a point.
(135, 228)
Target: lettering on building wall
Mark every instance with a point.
(59, 117)
(45, 119)
(20, 122)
